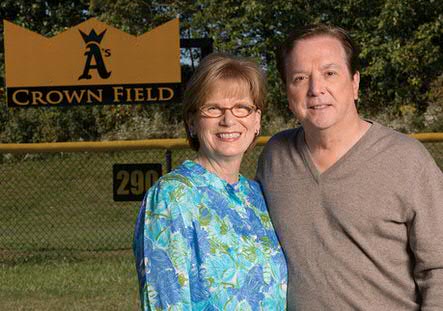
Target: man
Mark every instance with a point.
(358, 207)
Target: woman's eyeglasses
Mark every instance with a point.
(239, 110)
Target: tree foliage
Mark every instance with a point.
(401, 44)
(401, 41)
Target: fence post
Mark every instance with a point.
(168, 158)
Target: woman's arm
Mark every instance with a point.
(162, 245)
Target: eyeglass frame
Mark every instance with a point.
(223, 111)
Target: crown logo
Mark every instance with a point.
(92, 37)
(94, 60)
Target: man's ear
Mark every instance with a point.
(356, 84)
(258, 121)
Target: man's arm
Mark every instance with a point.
(426, 235)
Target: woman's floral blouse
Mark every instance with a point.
(203, 244)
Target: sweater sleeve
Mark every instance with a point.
(161, 246)
(426, 235)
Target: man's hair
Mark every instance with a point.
(352, 50)
(213, 68)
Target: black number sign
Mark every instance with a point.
(130, 181)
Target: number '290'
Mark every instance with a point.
(132, 180)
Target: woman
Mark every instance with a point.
(203, 238)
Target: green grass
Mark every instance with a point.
(108, 283)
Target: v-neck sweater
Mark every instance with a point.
(367, 233)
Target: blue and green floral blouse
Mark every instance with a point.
(204, 244)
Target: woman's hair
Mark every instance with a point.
(352, 50)
(213, 68)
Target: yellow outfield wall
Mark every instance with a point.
(124, 145)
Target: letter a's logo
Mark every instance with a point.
(94, 52)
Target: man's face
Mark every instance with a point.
(320, 88)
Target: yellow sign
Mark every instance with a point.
(91, 63)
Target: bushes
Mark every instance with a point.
(433, 117)
(89, 124)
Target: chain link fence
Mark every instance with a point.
(60, 204)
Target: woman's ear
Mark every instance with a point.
(191, 131)
(191, 127)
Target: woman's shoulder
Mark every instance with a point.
(252, 184)
(173, 194)
(181, 176)
(172, 188)
(174, 179)
(253, 192)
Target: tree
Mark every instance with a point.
(401, 40)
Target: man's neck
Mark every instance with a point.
(329, 145)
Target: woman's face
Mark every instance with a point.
(227, 137)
